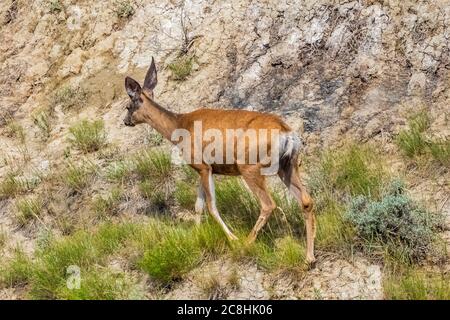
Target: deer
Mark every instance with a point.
(142, 108)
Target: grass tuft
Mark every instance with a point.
(181, 67)
(417, 285)
(77, 176)
(28, 209)
(412, 141)
(88, 136)
(69, 98)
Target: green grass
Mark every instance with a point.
(285, 254)
(417, 284)
(354, 169)
(77, 176)
(154, 164)
(412, 141)
(28, 209)
(16, 270)
(185, 195)
(102, 284)
(88, 136)
(118, 171)
(172, 257)
(440, 150)
(181, 67)
(69, 98)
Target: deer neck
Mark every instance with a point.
(161, 119)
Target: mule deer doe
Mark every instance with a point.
(143, 109)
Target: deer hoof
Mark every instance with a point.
(311, 261)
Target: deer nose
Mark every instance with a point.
(128, 123)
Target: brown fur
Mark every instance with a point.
(143, 109)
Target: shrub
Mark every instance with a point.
(181, 67)
(88, 136)
(395, 221)
(412, 140)
(69, 98)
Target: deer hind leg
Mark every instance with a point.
(292, 180)
(257, 184)
(207, 184)
(201, 199)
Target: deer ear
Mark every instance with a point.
(133, 87)
(151, 78)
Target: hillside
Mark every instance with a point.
(365, 84)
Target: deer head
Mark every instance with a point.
(135, 92)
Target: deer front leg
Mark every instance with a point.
(200, 202)
(208, 187)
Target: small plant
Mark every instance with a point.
(155, 165)
(397, 222)
(13, 185)
(55, 6)
(212, 288)
(123, 9)
(412, 140)
(15, 130)
(88, 136)
(119, 170)
(181, 67)
(103, 205)
(28, 208)
(69, 98)
(42, 121)
(76, 177)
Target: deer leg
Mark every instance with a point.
(200, 202)
(207, 183)
(299, 191)
(257, 184)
